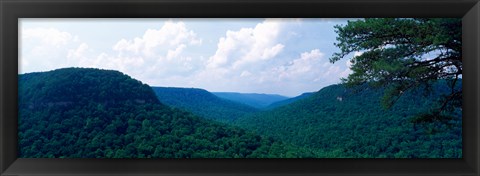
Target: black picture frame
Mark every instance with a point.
(12, 10)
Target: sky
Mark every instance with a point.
(274, 56)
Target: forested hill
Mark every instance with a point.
(202, 103)
(341, 122)
(256, 100)
(93, 113)
(69, 86)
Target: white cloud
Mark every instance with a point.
(307, 67)
(264, 58)
(171, 34)
(272, 52)
(157, 54)
(47, 48)
(175, 53)
(331, 71)
(124, 64)
(77, 53)
(248, 45)
(345, 73)
(245, 74)
(310, 71)
(131, 46)
(48, 36)
(240, 56)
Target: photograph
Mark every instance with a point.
(240, 88)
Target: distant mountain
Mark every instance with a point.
(252, 99)
(93, 113)
(351, 122)
(288, 101)
(202, 103)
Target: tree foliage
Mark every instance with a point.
(340, 122)
(404, 53)
(92, 113)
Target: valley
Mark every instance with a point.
(115, 116)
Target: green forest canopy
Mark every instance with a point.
(92, 113)
(340, 122)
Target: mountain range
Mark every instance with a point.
(202, 103)
(115, 116)
(255, 100)
(93, 113)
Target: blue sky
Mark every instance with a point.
(275, 56)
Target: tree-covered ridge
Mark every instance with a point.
(256, 100)
(81, 86)
(288, 101)
(202, 103)
(93, 113)
(350, 122)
